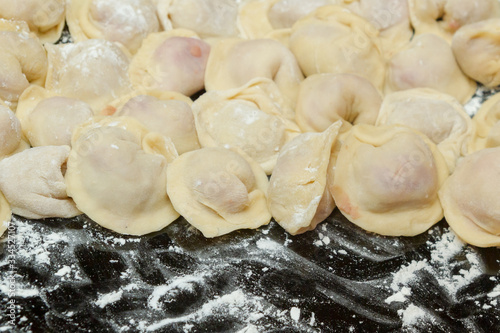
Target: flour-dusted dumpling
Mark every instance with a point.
(33, 183)
(444, 17)
(387, 179)
(439, 116)
(11, 135)
(334, 40)
(428, 62)
(476, 48)
(125, 21)
(247, 118)
(487, 125)
(234, 62)
(298, 196)
(470, 198)
(325, 98)
(116, 175)
(171, 60)
(218, 190)
(5, 214)
(94, 71)
(44, 17)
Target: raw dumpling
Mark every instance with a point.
(117, 175)
(11, 135)
(471, 207)
(172, 61)
(5, 214)
(428, 62)
(439, 116)
(44, 17)
(125, 21)
(234, 62)
(476, 48)
(94, 71)
(333, 40)
(218, 191)
(33, 183)
(487, 123)
(298, 196)
(387, 179)
(247, 118)
(325, 98)
(48, 119)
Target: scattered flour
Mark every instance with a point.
(295, 313)
(106, 299)
(411, 315)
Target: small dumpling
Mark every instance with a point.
(125, 21)
(325, 98)
(334, 40)
(439, 116)
(298, 196)
(116, 174)
(94, 71)
(476, 48)
(387, 179)
(172, 61)
(246, 118)
(5, 214)
(48, 119)
(44, 18)
(428, 62)
(471, 207)
(487, 125)
(33, 183)
(218, 191)
(11, 135)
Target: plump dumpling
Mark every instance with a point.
(439, 116)
(45, 18)
(218, 190)
(487, 125)
(298, 196)
(387, 179)
(325, 98)
(172, 61)
(94, 71)
(208, 18)
(33, 183)
(234, 62)
(48, 119)
(428, 62)
(125, 21)
(11, 135)
(334, 40)
(116, 174)
(444, 17)
(247, 118)
(471, 207)
(476, 48)
(23, 61)
(5, 214)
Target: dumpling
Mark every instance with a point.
(23, 61)
(44, 17)
(444, 17)
(171, 60)
(471, 207)
(218, 191)
(94, 71)
(247, 118)
(439, 116)
(298, 196)
(116, 175)
(48, 119)
(33, 183)
(387, 179)
(476, 48)
(428, 62)
(11, 135)
(325, 98)
(208, 18)
(334, 40)
(125, 21)
(487, 125)
(5, 214)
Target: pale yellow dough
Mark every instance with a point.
(470, 198)
(5, 214)
(218, 191)
(12, 139)
(487, 125)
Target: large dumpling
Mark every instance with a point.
(298, 196)
(487, 125)
(470, 198)
(387, 179)
(11, 135)
(218, 190)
